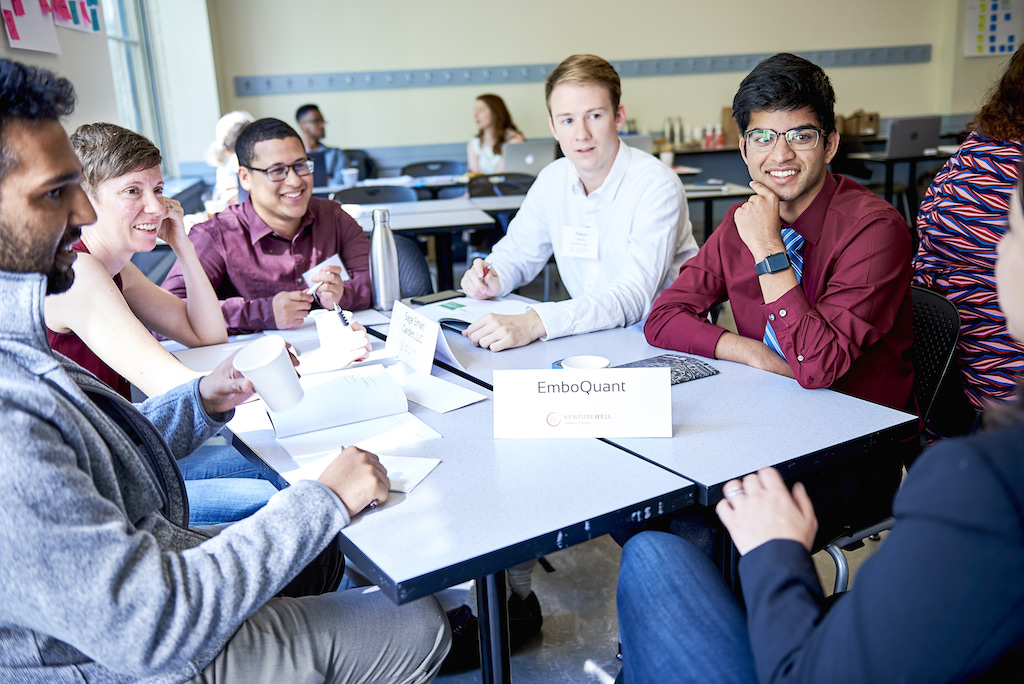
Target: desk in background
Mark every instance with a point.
(439, 218)
(938, 156)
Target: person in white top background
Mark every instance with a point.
(494, 129)
(615, 219)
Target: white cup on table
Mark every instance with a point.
(266, 364)
(585, 362)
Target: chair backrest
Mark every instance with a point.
(413, 272)
(500, 184)
(361, 160)
(375, 194)
(319, 167)
(434, 168)
(936, 331)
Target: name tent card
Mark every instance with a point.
(608, 402)
(416, 340)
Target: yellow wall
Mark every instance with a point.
(257, 37)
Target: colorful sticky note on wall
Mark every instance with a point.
(61, 9)
(45, 6)
(12, 28)
(19, 8)
(83, 11)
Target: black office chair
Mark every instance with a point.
(434, 168)
(413, 271)
(361, 160)
(319, 168)
(936, 326)
(375, 194)
(500, 184)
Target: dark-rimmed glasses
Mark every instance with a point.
(798, 139)
(276, 174)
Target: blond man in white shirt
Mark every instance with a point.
(614, 218)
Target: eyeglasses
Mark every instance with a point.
(798, 139)
(276, 174)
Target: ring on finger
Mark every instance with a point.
(733, 493)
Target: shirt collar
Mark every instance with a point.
(614, 178)
(810, 223)
(258, 228)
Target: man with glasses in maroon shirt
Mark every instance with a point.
(816, 269)
(256, 252)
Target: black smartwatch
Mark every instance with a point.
(773, 263)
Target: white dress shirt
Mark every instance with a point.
(637, 222)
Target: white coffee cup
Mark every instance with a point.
(349, 177)
(585, 362)
(668, 157)
(330, 329)
(266, 364)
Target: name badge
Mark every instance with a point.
(580, 241)
(608, 402)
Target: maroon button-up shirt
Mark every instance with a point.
(248, 263)
(847, 326)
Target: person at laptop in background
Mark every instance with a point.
(494, 129)
(313, 129)
(103, 580)
(614, 218)
(961, 220)
(255, 253)
(816, 269)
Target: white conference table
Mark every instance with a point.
(489, 505)
(724, 426)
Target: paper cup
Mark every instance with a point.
(329, 328)
(349, 177)
(668, 157)
(266, 364)
(585, 362)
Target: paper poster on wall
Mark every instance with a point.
(28, 26)
(81, 15)
(992, 27)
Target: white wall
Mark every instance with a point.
(85, 61)
(258, 37)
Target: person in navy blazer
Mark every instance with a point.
(942, 600)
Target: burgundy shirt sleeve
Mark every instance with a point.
(868, 283)
(678, 318)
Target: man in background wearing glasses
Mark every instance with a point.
(256, 252)
(816, 269)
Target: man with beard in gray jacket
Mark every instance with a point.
(101, 579)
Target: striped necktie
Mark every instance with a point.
(794, 242)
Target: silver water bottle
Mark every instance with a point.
(383, 263)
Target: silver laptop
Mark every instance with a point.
(528, 157)
(644, 143)
(910, 136)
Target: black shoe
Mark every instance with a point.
(524, 619)
(465, 651)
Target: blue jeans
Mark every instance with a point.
(222, 486)
(678, 620)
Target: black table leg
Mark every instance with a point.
(492, 609)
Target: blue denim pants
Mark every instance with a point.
(222, 486)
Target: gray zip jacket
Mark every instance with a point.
(100, 579)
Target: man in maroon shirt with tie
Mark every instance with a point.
(816, 269)
(256, 252)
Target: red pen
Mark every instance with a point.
(487, 269)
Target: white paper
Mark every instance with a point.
(608, 402)
(432, 392)
(412, 338)
(341, 398)
(469, 310)
(405, 472)
(205, 359)
(370, 317)
(335, 260)
(35, 29)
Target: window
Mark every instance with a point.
(132, 68)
